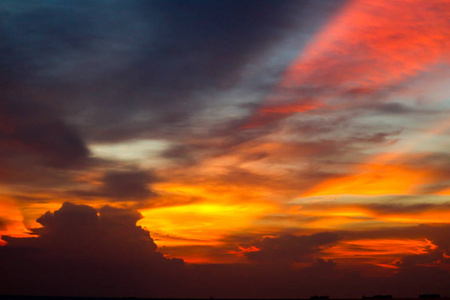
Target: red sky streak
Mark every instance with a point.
(369, 46)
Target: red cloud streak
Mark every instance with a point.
(368, 46)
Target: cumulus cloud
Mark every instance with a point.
(86, 252)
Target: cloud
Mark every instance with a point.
(382, 206)
(169, 72)
(36, 140)
(180, 153)
(291, 248)
(82, 251)
(351, 61)
(128, 184)
(32, 131)
(437, 165)
(3, 224)
(340, 277)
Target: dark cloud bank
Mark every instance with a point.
(102, 65)
(80, 251)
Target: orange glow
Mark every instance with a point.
(11, 214)
(373, 179)
(217, 210)
(333, 217)
(203, 222)
(381, 175)
(218, 191)
(419, 218)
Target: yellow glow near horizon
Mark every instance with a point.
(203, 222)
(13, 218)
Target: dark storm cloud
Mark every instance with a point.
(80, 252)
(291, 248)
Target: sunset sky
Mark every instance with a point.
(225, 148)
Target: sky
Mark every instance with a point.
(234, 149)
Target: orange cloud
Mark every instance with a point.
(381, 252)
(374, 179)
(388, 173)
(367, 214)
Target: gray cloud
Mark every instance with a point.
(121, 185)
(33, 130)
(96, 57)
(128, 184)
(291, 248)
